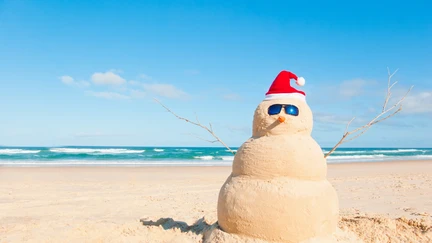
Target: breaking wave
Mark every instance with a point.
(95, 151)
(18, 151)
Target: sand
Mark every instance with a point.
(379, 202)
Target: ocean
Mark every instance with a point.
(176, 156)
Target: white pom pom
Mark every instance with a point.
(300, 81)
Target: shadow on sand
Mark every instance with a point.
(199, 227)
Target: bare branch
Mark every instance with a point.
(369, 125)
(382, 119)
(348, 124)
(337, 145)
(210, 130)
(379, 118)
(389, 87)
(394, 73)
(358, 135)
(393, 84)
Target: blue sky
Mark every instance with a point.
(85, 72)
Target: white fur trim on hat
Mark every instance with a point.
(300, 81)
(285, 96)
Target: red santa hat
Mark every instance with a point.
(281, 87)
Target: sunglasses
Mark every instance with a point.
(289, 109)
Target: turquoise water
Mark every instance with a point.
(179, 156)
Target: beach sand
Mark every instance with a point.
(379, 202)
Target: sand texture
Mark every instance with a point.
(379, 202)
(280, 173)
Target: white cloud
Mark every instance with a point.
(330, 118)
(121, 89)
(68, 80)
(417, 103)
(352, 88)
(136, 94)
(231, 96)
(108, 95)
(342, 120)
(145, 77)
(165, 90)
(109, 78)
(135, 83)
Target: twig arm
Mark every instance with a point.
(197, 123)
(379, 118)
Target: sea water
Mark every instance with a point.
(177, 156)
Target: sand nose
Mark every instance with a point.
(281, 119)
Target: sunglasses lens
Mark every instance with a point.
(292, 110)
(274, 109)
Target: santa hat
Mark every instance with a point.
(281, 87)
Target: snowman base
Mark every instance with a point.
(216, 235)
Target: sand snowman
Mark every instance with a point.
(278, 191)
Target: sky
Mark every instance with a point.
(87, 72)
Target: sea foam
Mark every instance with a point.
(398, 151)
(206, 157)
(228, 158)
(93, 151)
(18, 151)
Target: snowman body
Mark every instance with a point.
(278, 190)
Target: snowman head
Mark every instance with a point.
(284, 110)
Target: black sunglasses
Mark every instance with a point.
(289, 109)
